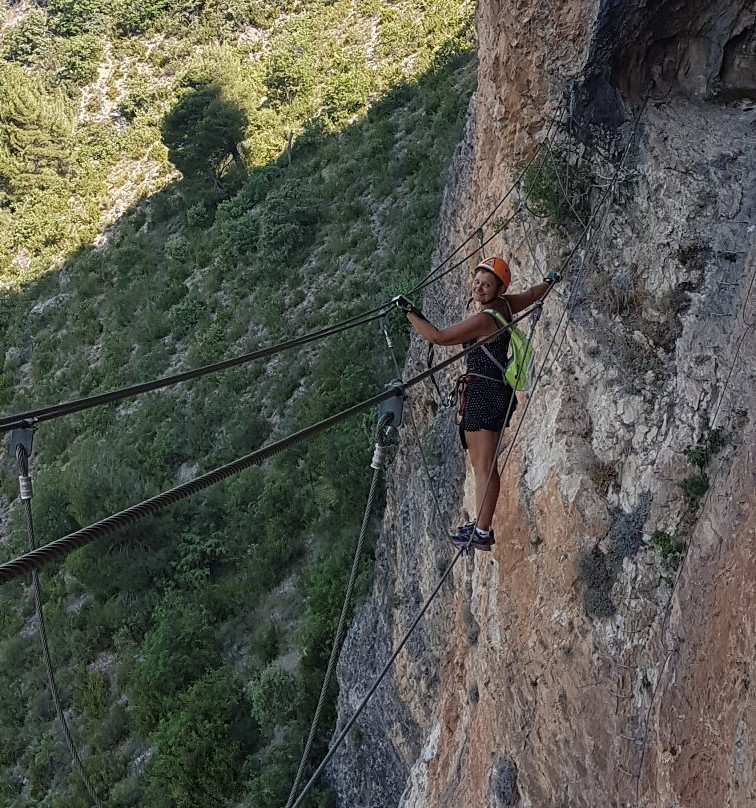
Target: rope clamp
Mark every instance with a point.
(25, 485)
(21, 448)
(21, 438)
(535, 314)
(383, 322)
(392, 408)
(379, 457)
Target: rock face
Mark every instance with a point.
(602, 654)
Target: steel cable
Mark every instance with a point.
(41, 556)
(23, 464)
(376, 683)
(380, 439)
(41, 414)
(57, 410)
(61, 547)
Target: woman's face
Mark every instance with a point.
(485, 286)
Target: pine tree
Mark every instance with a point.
(36, 136)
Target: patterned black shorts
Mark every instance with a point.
(487, 405)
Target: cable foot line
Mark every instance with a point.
(377, 466)
(22, 448)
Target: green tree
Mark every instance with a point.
(272, 695)
(36, 136)
(179, 650)
(75, 17)
(198, 749)
(204, 128)
(26, 41)
(80, 57)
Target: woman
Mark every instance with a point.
(488, 401)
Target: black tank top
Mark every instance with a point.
(479, 362)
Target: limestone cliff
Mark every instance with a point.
(602, 654)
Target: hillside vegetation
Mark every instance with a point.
(153, 218)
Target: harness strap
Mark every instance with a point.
(457, 392)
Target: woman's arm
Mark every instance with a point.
(522, 300)
(475, 327)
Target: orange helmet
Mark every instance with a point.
(499, 267)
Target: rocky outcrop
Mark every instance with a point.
(603, 654)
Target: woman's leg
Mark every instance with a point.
(482, 448)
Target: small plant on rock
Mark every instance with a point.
(556, 188)
(670, 549)
(700, 454)
(696, 485)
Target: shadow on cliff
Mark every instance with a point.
(675, 51)
(207, 267)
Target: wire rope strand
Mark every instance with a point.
(35, 559)
(46, 657)
(342, 619)
(61, 547)
(376, 683)
(77, 405)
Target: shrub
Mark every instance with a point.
(694, 487)
(198, 749)
(204, 128)
(27, 41)
(272, 695)
(291, 69)
(178, 651)
(556, 186)
(80, 58)
(670, 549)
(700, 454)
(602, 475)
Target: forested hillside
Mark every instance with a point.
(182, 182)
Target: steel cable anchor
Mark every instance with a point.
(22, 439)
(389, 420)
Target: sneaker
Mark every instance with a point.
(459, 540)
(462, 537)
(483, 543)
(466, 532)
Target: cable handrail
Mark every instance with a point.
(50, 412)
(58, 548)
(41, 414)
